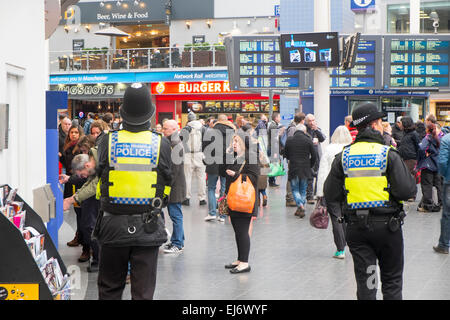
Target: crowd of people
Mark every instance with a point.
(272, 144)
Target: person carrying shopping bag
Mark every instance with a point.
(241, 175)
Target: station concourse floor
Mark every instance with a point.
(290, 259)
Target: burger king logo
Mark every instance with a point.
(160, 88)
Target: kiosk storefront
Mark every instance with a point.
(174, 100)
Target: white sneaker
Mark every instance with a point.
(210, 217)
(220, 219)
(173, 249)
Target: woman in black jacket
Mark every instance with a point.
(409, 145)
(241, 220)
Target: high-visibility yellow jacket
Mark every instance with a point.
(131, 176)
(364, 165)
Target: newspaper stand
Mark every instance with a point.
(18, 268)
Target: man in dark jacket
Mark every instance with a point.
(135, 174)
(370, 180)
(397, 131)
(227, 130)
(178, 191)
(300, 152)
(317, 137)
(213, 141)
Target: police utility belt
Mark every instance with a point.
(365, 219)
(149, 218)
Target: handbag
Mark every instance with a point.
(241, 194)
(223, 206)
(276, 169)
(319, 217)
(222, 203)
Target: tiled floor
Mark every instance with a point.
(289, 259)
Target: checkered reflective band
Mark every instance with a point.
(133, 201)
(367, 205)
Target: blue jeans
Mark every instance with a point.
(444, 239)
(176, 215)
(212, 183)
(298, 187)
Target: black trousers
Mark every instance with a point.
(79, 213)
(89, 215)
(241, 226)
(113, 269)
(334, 210)
(366, 246)
(428, 180)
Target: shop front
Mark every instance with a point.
(174, 100)
(96, 98)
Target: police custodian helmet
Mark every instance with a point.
(137, 107)
(365, 113)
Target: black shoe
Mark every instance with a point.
(202, 202)
(273, 185)
(436, 208)
(439, 249)
(185, 202)
(230, 266)
(236, 270)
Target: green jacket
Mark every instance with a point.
(89, 188)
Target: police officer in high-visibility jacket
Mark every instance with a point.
(135, 178)
(370, 180)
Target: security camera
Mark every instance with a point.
(436, 24)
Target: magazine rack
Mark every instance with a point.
(18, 269)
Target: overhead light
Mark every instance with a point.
(75, 30)
(108, 6)
(188, 24)
(142, 4)
(66, 28)
(208, 23)
(102, 4)
(125, 5)
(138, 34)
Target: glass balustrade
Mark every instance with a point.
(135, 59)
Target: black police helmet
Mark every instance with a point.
(365, 113)
(137, 107)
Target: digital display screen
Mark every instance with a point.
(362, 75)
(418, 63)
(259, 64)
(309, 50)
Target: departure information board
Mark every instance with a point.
(417, 63)
(367, 69)
(256, 64)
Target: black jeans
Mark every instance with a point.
(428, 180)
(241, 226)
(366, 246)
(88, 219)
(113, 269)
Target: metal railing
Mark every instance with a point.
(136, 59)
